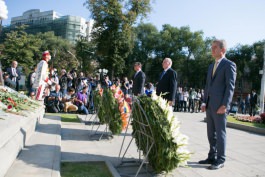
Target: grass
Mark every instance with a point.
(84, 169)
(251, 124)
(66, 117)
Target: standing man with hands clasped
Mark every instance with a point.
(138, 80)
(167, 84)
(218, 94)
(14, 74)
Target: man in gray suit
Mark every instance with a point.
(218, 93)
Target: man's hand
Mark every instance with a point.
(221, 110)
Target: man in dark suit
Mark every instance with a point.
(253, 103)
(218, 94)
(138, 80)
(14, 74)
(167, 83)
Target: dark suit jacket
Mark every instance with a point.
(253, 99)
(138, 83)
(219, 89)
(9, 71)
(167, 85)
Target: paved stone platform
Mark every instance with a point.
(77, 142)
(245, 151)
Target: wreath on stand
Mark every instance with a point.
(112, 109)
(170, 146)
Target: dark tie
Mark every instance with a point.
(162, 74)
(135, 74)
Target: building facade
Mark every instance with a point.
(67, 27)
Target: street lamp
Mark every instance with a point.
(3, 15)
(102, 73)
(3, 12)
(262, 90)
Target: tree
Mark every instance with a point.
(27, 49)
(20, 46)
(145, 41)
(85, 53)
(113, 29)
(58, 48)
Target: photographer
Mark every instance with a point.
(81, 82)
(81, 101)
(63, 81)
(54, 79)
(55, 103)
(68, 100)
(72, 78)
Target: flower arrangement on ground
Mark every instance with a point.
(247, 118)
(16, 103)
(170, 146)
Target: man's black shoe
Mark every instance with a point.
(207, 161)
(216, 166)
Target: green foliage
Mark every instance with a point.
(85, 53)
(99, 107)
(113, 34)
(27, 49)
(58, 48)
(69, 117)
(152, 46)
(164, 155)
(21, 47)
(108, 111)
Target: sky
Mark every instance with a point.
(236, 21)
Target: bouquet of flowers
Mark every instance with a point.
(16, 103)
(170, 146)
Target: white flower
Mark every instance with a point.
(182, 150)
(154, 96)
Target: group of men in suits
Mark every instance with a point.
(218, 94)
(166, 85)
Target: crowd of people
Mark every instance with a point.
(73, 91)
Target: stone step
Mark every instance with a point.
(15, 131)
(41, 155)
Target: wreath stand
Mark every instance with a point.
(143, 132)
(95, 121)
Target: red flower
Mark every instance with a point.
(9, 107)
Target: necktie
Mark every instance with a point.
(135, 74)
(162, 74)
(14, 73)
(214, 68)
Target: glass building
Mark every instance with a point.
(67, 27)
